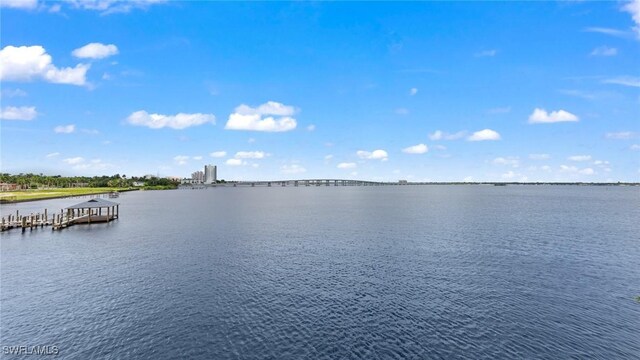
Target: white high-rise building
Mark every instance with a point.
(210, 175)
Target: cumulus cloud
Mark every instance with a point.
(74, 160)
(539, 156)
(199, 157)
(416, 149)
(635, 147)
(95, 51)
(263, 118)
(218, 154)
(235, 162)
(624, 80)
(633, 8)
(508, 161)
(542, 116)
(347, 165)
(372, 155)
(178, 121)
(292, 169)
(311, 127)
(250, 155)
(604, 51)
(181, 159)
(484, 135)
(19, 4)
(28, 63)
(80, 163)
(579, 158)
(64, 129)
(413, 91)
(441, 135)
(18, 113)
(511, 176)
(622, 135)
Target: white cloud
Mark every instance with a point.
(74, 161)
(635, 147)
(372, 155)
(248, 118)
(250, 155)
(311, 127)
(541, 116)
(579, 158)
(566, 168)
(218, 154)
(604, 51)
(622, 135)
(624, 80)
(346, 165)
(292, 169)
(413, 91)
(607, 31)
(402, 111)
(441, 135)
(486, 53)
(95, 51)
(28, 63)
(19, 4)
(601, 163)
(18, 113)
(64, 129)
(235, 162)
(416, 149)
(328, 157)
(181, 159)
(197, 157)
(10, 93)
(51, 155)
(178, 121)
(539, 156)
(107, 7)
(484, 135)
(511, 176)
(509, 161)
(633, 8)
(587, 171)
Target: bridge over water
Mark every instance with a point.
(310, 182)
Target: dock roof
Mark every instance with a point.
(93, 204)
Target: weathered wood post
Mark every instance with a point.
(24, 223)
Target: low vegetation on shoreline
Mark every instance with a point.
(28, 187)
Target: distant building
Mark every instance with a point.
(210, 174)
(197, 177)
(403, 182)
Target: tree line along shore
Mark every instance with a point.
(30, 187)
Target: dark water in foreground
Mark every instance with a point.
(332, 273)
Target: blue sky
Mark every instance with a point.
(493, 91)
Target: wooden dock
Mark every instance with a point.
(84, 213)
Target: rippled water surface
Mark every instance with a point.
(332, 273)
